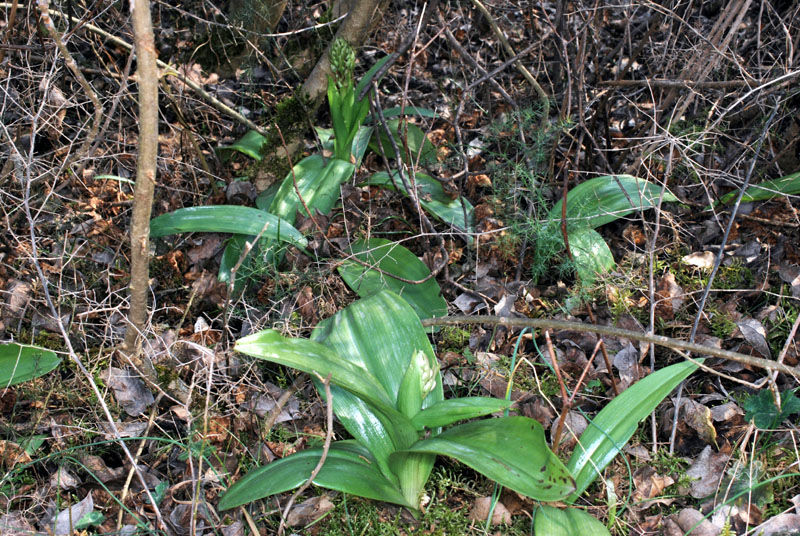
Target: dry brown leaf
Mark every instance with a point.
(649, 484)
(698, 417)
(12, 454)
(129, 390)
(309, 511)
(481, 508)
(707, 471)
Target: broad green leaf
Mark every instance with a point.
(250, 144)
(453, 410)
(419, 146)
(397, 111)
(433, 199)
(348, 468)
(511, 451)
(552, 521)
(226, 219)
(310, 357)
(20, 363)
(233, 252)
(380, 333)
(601, 200)
(760, 408)
(411, 391)
(611, 429)
(379, 434)
(360, 142)
(424, 298)
(372, 70)
(591, 253)
(318, 182)
(788, 185)
(264, 199)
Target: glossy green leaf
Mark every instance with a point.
(424, 298)
(411, 391)
(380, 333)
(456, 212)
(397, 111)
(348, 468)
(20, 363)
(310, 357)
(226, 219)
(318, 182)
(360, 142)
(230, 257)
(453, 410)
(368, 75)
(380, 434)
(611, 429)
(420, 150)
(605, 199)
(788, 185)
(511, 451)
(250, 144)
(591, 253)
(552, 521)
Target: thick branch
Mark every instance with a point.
(147, 76)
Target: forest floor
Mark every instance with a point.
(698, 99)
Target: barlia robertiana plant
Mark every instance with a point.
(386, 391)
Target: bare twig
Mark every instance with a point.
(83, 151)
(402, 49)
(326, 382)
(565, 401)
(544, 99)
(693, 84)
(715, 268)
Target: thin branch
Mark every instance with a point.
(87, 87)
(543, 97)
(608, 331)
(326, 382)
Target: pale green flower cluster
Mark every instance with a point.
(343, 62)
(427, 372)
